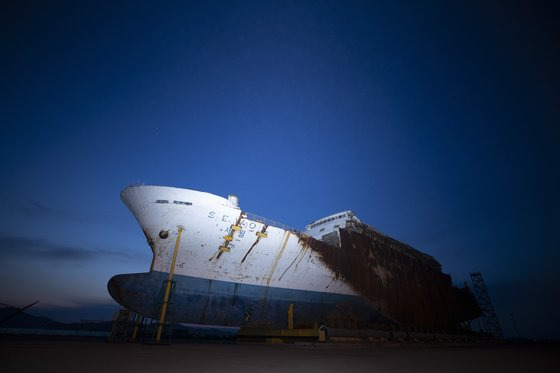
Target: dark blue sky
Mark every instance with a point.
(436, 122)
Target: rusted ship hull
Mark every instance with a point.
(414, 290)
(236, 269)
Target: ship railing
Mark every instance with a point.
(270, 222)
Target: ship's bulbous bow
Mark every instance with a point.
(137, 292)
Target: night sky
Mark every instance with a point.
(436, 122)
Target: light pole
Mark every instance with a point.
(515, 325)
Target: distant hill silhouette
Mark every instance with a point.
(27, 321)
(24, 320)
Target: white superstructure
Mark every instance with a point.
(330, 224)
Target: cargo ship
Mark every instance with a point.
(233, 268)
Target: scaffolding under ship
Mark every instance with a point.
(236, 269)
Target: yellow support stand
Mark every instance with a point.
(262, 235)
(168, 286)
(289, 335)
(291, 317)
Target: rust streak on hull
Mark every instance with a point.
(263, 230)
(277, 258)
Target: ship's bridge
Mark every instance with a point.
(328, 224)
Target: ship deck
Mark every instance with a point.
(39, 355)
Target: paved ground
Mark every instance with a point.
(97, 356)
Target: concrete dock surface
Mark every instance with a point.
(23, 355)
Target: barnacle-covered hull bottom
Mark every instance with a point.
(214, 302)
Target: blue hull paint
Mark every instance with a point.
(203, 301)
